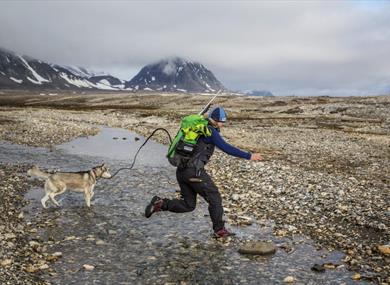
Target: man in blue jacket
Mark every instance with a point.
(194, 180)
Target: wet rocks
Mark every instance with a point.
(318, 268)
(257, 248)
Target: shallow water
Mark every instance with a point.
(115, 143)
(167, 247)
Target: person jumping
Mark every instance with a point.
(194, 180)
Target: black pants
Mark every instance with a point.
(205, 187)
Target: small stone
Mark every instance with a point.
(357, 276)
(289, 279)
(111, 232)
(384, 249)
(88, 267)
(258, 248)
(235, 197)
(34, 244)
(10, 236)
(244, 220)
(318, 268)
(54, 257)
(57, 253)
(51, 258)
(6, 262)
(281, 233)
(329, 266)
(32, 269)
(70, 238)
(100, 242)
(43, 267)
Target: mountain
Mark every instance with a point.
(263, 93)
(175, 75)
(23, 72)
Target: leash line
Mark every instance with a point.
(139, 149)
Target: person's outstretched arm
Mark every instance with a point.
(220, 143)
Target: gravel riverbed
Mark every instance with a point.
(325, 174)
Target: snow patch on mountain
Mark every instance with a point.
(39, 79)
(76, 81)
(15, 80)
(81, 71)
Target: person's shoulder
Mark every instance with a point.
(213, 130)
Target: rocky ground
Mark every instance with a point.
(325, 172)
(21, 258)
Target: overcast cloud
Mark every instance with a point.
(291, 47)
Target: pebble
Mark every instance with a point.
(257, 248)
(356, 276)
(88, 267)
(43, 267)
(6, 262)
(318, 268)
(384, 249)
(289, 279)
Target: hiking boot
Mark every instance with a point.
(223, 233)
(155, 205)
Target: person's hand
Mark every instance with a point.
(256, 156)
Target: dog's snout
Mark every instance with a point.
(106, 175)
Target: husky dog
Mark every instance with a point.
(58, 182)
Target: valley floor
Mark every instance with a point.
(325, 174)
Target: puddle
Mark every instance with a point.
(127, 248)
(115, 143)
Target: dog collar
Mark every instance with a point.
(94, 173)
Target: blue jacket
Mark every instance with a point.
(217, 140)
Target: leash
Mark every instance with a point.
(139, 149)
(205, 109)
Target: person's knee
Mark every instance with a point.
(214, 199)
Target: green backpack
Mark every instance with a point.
(183, 145)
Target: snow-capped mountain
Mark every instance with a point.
(23, 72)
(175, 75)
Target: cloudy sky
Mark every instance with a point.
(286, 47)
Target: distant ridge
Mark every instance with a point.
(24, 72)
(168, 75)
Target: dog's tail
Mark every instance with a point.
(35, 171)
